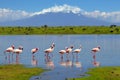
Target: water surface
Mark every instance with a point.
(108, 55)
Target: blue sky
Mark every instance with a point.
(37, 5)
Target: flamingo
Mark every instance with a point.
(17, 52)
(9, 50)
(68, 51)
(77, 51)
(33, 51)
(49, 50)
(94, 51)
(61, 53)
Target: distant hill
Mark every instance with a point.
(57, 19)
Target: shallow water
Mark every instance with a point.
(108, 55)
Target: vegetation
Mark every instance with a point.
(113, 29)
(102, 73)
(17, 72)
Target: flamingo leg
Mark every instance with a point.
(47, 57)
(94, 58)
(5, 57)
(76, 57)
(68, 56)
(9, 58)
(12, 57)
(61, 57)
(17, 58)
(33, 56)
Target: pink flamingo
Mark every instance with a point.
(68, 51)
(62, 52)
(49, 50)
(94, 51)
(17, 52)
(77, 51)
(33, 51)
(9, 50)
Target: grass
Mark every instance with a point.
(18, 72)
(59, 30)
(102, 73)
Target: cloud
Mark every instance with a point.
(106, 16)
(62, 8)
(10, 15)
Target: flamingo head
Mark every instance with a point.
(98, 47)
(13, 46)
(20, 47)
(71, 47)
(52, 47)
(53, 44)
(37, 48)
(80, 46)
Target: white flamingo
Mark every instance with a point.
(94, 51)
(17, 52)
(9, 50)
(77, 51)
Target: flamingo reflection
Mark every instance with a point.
(66, 63)
(96, 64)
(34, 61)
(78, 64)
(63, 63)
(49, 63)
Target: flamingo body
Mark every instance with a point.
(77, 50)
(34, 50)
(10, 49)
(49, 50)
(62, 51)
(97, 49)
(68, 50)
(19, 50)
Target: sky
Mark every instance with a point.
(37, 5)
(18, 9)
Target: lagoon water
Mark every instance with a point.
(108, 56)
